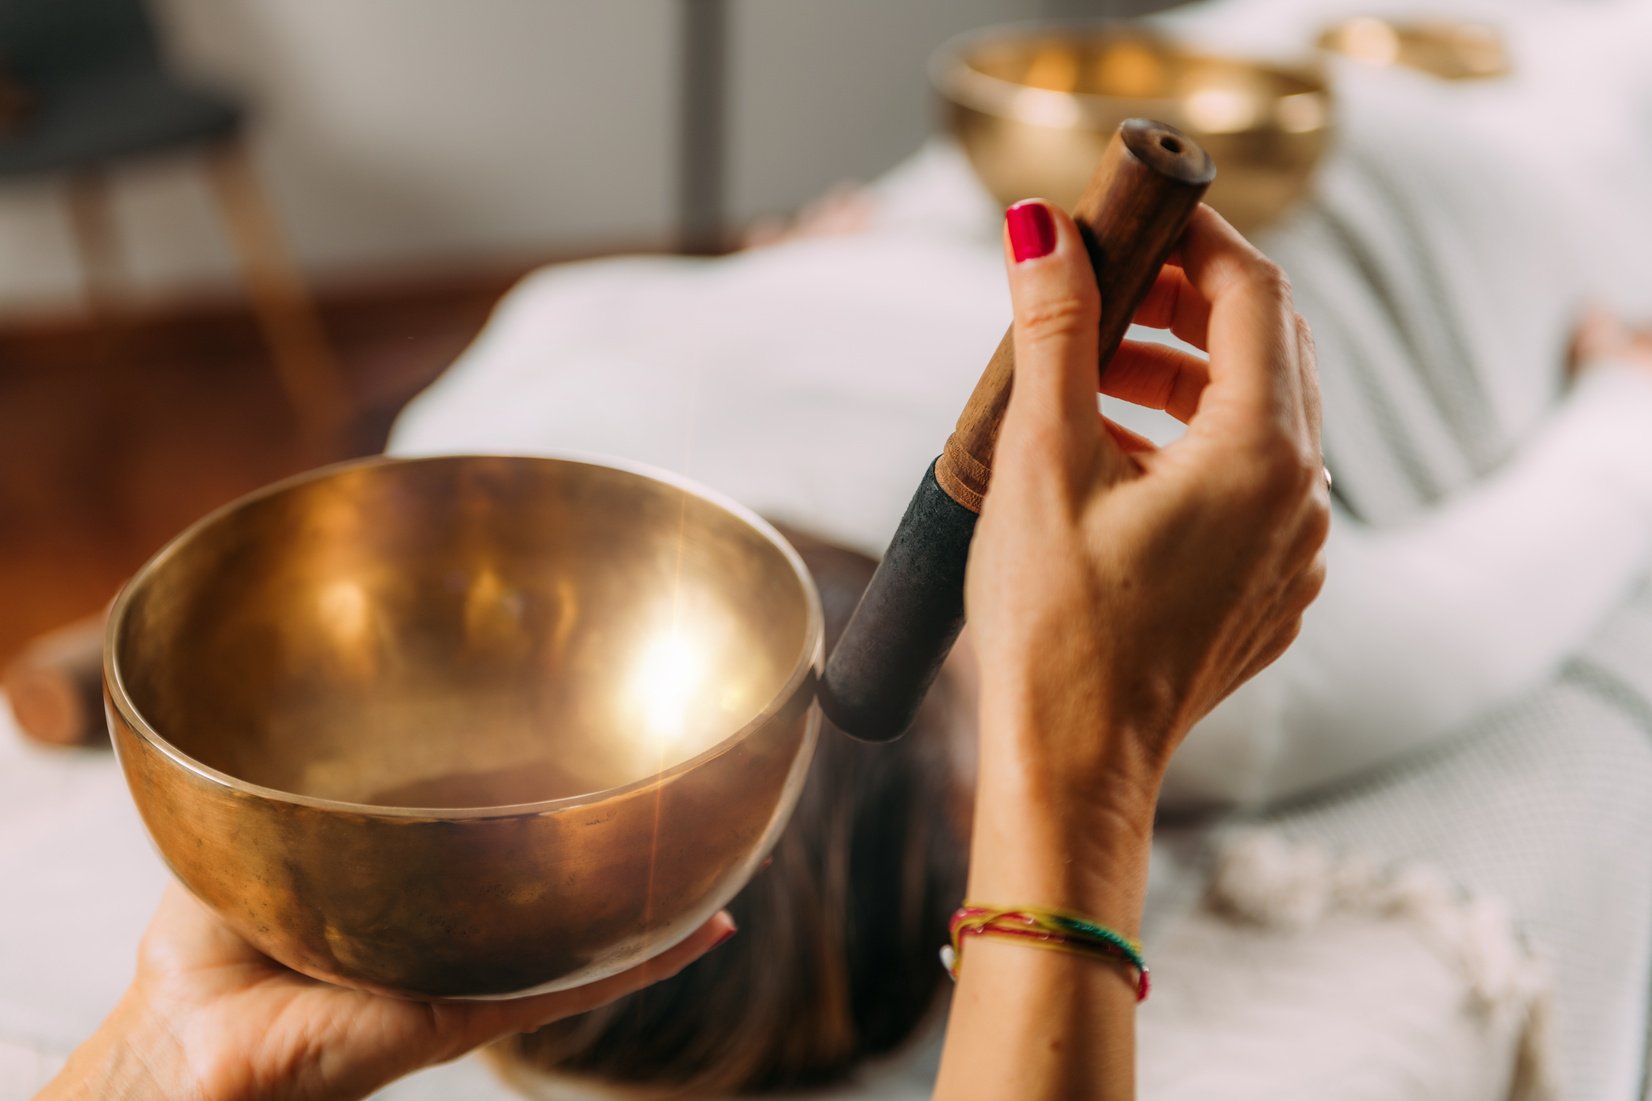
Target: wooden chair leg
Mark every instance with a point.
(95, 240)
(286, 313)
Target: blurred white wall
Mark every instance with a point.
(396, 133)
(833, 90)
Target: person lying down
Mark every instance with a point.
(1485, 623)
(1474, 687)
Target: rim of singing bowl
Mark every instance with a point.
(803, 668)
(953, 74)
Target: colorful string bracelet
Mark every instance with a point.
(1053, 929)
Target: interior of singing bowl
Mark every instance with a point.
(1033, 108)
(1120, 64)
(464, 632)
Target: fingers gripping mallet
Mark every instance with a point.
(1150, 181)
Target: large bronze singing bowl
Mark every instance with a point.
(467, 727)
(1033, 109)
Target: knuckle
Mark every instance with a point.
(1305, 340)
(1268, 277)
(1284, 472)
(1275, 644)
(1029, 441)
(1063, 316)
(1287, 636)
(1314, 528)
(1319, 520)
(1313, 581)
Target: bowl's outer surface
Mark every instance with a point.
(478, 906)
(1033, 110)
(480, 901)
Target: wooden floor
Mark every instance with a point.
(115, 435)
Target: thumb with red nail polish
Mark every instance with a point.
(1031, 229)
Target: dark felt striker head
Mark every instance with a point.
(906, 621)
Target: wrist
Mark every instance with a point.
(1043, 841)
(132, 1055)
(1056, 754)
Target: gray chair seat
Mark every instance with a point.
(93, 88)
(116, 112)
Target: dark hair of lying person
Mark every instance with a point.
(835, 961)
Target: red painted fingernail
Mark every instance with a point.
(1032, 230)
(722, 940)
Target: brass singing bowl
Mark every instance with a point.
(1034, 107)
(468, 726)
(1448, 49)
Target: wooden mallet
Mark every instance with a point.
(1150, 181)
(55, 686)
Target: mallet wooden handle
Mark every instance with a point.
(1150, 180)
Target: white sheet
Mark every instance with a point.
(1388, 1007)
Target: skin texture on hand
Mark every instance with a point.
(1117, 592)
(208, 1018)
(1119, 595)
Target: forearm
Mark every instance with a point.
(1104, 625)
(131, 1057)
(1037, 1024)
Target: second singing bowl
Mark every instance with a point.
(1033, 108)
(470, 726)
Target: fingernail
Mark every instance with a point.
(1032, 230)
(724, 939)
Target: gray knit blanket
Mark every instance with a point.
(1427, 322)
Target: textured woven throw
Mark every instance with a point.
(1440, 350)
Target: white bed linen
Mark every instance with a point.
(82, 880)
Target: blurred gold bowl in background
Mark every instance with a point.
(471, 726)
(1448, 49)
(1033, 108)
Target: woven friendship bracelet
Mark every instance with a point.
(1053, 929)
